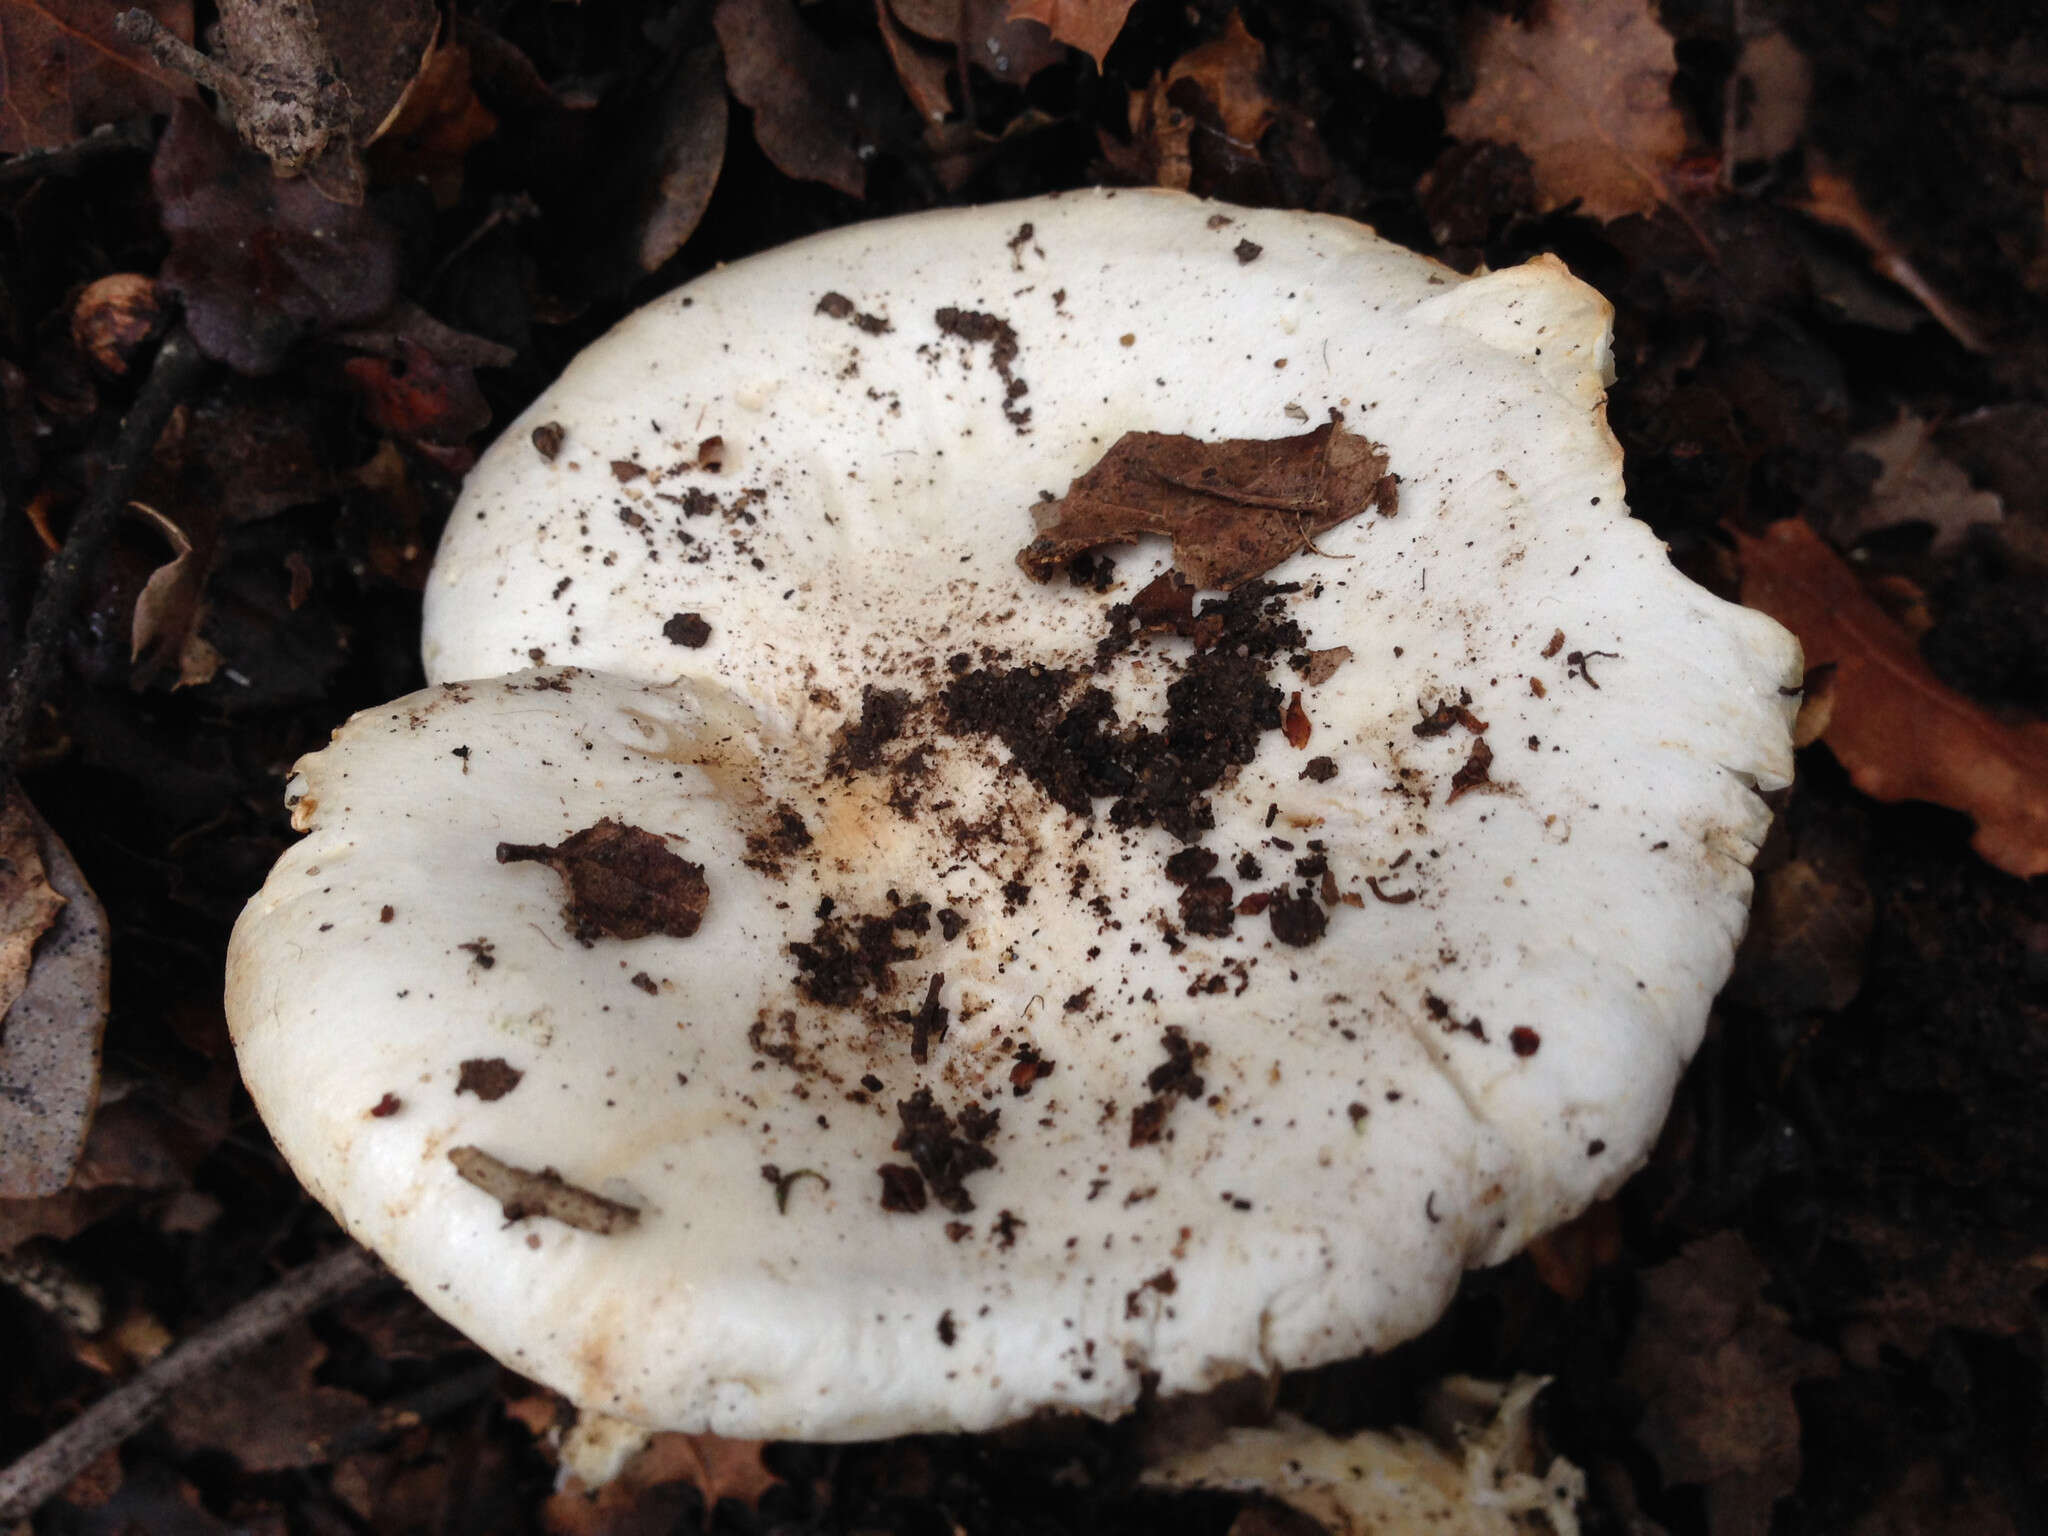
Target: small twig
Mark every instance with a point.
(178, 367)
(45, 1471)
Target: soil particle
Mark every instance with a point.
(1297, 918)
(547, 439)
(490, 1078)
(847, 956)
(858, 746)
(946, 1152)
(1207, 907)
(973, 327)
(688, 630)
(623, 882)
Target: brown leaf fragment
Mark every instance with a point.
(1233, 509)
(29, 905)
(647, 1494)
(64, 71)
(1832, 198)
(1566, 1258)
(1715, 1365)
(1323, 665)
(793, 84)
(623, 881)
(115, 317)
(1918, 484)
(1089, 25)
(1449, 713)
(523, 1193)
(919, 69)
(688, 156)
(435, 121)
(268, 1409)
(1295, 723)
(1901, 733)
(1474, 772)
(164, 628)
(490, 1078)
(54, 1022)
(1584, 90)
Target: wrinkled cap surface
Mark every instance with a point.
(796, 975)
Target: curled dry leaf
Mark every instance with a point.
(1900, 731)
(790, 81)
(165, 627)
(1089, 25)
(433, 126)
(65, 71)
(921, 70)
(1230, 70)
(50, 1037)
(1715, 1365)
(1233, 509)
(1584, 90)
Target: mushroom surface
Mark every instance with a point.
(875, 991)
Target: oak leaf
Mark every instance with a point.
(1919, 484)
(1900, 731)
(793, 84)
(1584, 90)
(1233, 509)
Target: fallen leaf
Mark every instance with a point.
(645, 1494)
(791, 82)
(1808, 939)
(164, 630)
(1584, 90)
(1089, 25)
(385, 51)
(1981, 1279)
(28, 902)
(63, 72)
(687, 158)
(922, 71)
(1230, 71)
(1832, 198)
(261, 262)
(1233, 509)
(267, 1409)
(1566, 1258)
(1715, 1365)
(1900, 732)
(1773, 84)
(50, 1037)
(417, 396)
(433, 126)
(1918, 484)
(984, 34)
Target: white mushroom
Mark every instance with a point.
(880, 1075)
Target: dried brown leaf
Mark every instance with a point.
(1233, 509)
(28, 902)
(1772, 86)
(688, 157)
(63, 71)
(792, 83)
(1089, 25)
(644, 1494)
(164, 629)
(50, 1038)
(266, 1410)
(921, 70)
(1832, 198)
(433, 126)
(1584, 90)
(1715, 1365)
(115, 317)
(1899, 730)
(1919, 484)
(1230, 70)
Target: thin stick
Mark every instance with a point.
(45, 1471)
(177, 369)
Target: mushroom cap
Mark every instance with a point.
(1215, 1153)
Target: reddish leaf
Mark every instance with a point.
(1584, 90)
(261, 262)
(63, 72)
(1089, 25)
(1900, 731)
(792, 83)
(433, 126)
(417, 396)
